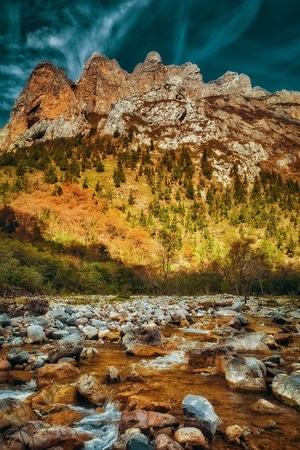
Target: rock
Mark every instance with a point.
(278, 318)
(211, 356)
(52, 395)
(144, 350)
(51, 373)
(5, 320)
(4, 364)
(91, 389)
(60, 313)
(191, 437)
(263, 406)
(235, 433)
(246, 373)
(36, 333)
(21, 437)
(121, 442)
(32, 307)
(58, 437)
(113, 376)
(164, 442)
(14, 412)
(142, 401)
(16, 356)
(69, 346)
(283, 338)
(144, 420)
(138, 442)
(65, 417)
(142, 335)
(89, 352)
(90, 332)
(250, 342)
(199, 413)
(287, 388)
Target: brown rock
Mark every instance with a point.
(51, 395)
(66, 417)
(91, 389)
(141, 401)
(4, 364)
(137, 349)
(61, 437)
(214, 355)
(51, 373)
(13, 412)
(191, 436)
(263, 406)
(145, 419)
(283, 338)
(164, 442)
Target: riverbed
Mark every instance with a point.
(164, 381)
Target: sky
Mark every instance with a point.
(260, 38)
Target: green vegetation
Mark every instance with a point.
(153, 221)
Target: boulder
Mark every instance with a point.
(71, 345)
(58, 437)
(14, 412)
(250, 342)
(142, 335)
(16, 357)
(211, 356)
(35, 333)
(287, 388)
(283, 338)
(246, 373)
(191, 437)
(65, 417)
(51, 373)
(51, 395)
(91, 389)
(198, 412)
(144, 420)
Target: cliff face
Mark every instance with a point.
(169, 105)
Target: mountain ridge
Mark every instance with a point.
(170, 105)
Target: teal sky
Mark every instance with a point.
(260, 38)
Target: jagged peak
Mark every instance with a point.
(151, 63)
(233, 79)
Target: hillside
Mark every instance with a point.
(155, 178)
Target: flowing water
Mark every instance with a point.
(167, 380)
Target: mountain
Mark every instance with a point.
(152, 180)
(169, 105)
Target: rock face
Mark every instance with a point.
(168, 104)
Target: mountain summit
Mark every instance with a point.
(168, 105)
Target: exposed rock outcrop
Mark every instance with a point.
(168, 104)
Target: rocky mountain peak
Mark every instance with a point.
(168, 104)
(152, 63)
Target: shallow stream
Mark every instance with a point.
(167, 380)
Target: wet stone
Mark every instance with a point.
(198, 412)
